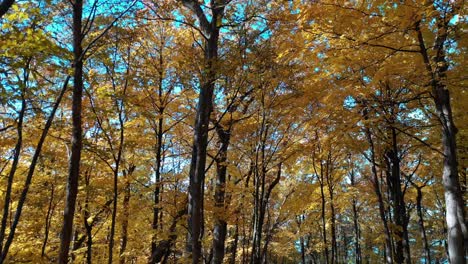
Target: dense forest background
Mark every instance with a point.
(233, 131)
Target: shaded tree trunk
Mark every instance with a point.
(427, 250)
(375, 182)
(220, 225)
(357, 232)
(11, 174)
(5, 6)
(126, 213)
(50, 211)
(76, 142)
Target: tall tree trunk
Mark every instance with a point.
(159, 150)
(457, 233)
(375, 181)
(32, 167)
(11, 175)
(210, 30)
(393, 164)
(118, 160)
(76, 142)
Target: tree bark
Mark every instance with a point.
(126, 213)
(457, 233)
(220, 225)
(204, 108)
(76, 142)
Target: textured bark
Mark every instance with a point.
(76, 142)
(437, 66)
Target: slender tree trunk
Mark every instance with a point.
(388, 241)
(76, 142)
(233, 249)
(303, 258)
(427, 250)
(88, 226)
(324, 221)
(115, 185)
(50, 211)
(357, 233)
(126, 213)
(11, 175)
(159, 150)
(31, 170)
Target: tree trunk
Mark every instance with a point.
(220, 225)
(375, 181)
(427, 250)
(50, 211)
(357, 232)
(159, 150)
(88, 226)
(457, 233)
(11, 175)
(5, 6)
(76, 142)
(126, 213)
(204, 108)
(32, 167)
(233, 249)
